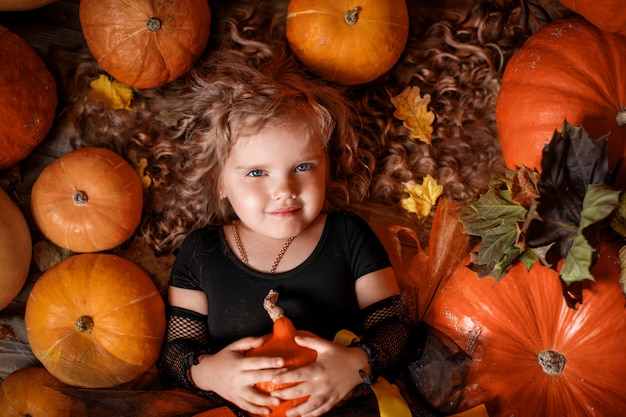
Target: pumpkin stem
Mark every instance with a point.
(551, 362)
(621, 117)
(80, 198)
(84, 324)
(153, 24)
(269, 304)
(352, 16)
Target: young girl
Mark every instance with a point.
(264, 165)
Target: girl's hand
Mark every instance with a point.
(232, 376)
(328, 380)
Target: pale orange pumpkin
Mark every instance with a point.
(95, 320)
(568, 70)
(608, 15)
(87, 200)
(31, 392)
(28, 100)
(348, 41)
(15, 249)
(145, 43)
(532, 355)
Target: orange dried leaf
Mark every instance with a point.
(112, 93)
(421, 198)
(140, 165)
(412, 109)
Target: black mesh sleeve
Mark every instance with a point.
(387, 326)
(186, 339)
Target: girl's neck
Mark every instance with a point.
(271, 255)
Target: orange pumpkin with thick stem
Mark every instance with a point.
(95, 321)
(145, 43)
(532, 355)
(16, 249)
(28, 99)
(348, 41)
(608, 15)
(88, 200)
(281, 343)
(568, 70)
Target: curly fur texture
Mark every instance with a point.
(458, 61)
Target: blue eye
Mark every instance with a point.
(303, 167)
(255, 173)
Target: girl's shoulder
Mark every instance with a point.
(205, 237)
(349, 221)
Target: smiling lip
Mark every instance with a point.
(285, 212)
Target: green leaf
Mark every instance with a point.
(578, 261)
(495, 218)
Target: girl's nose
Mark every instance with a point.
(285, 190)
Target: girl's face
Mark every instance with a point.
(275, 180)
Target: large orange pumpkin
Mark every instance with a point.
(31, 392)
(608, 15)
(19, 5)
(28, 100)
(570, 70)
(145, 43)
(15, 249)
(348, 41)
(532, 355)
(95, 320)
(88, 200)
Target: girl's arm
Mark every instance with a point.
(227, 373)
(336, 372)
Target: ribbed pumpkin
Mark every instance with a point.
(95, 320)
(19, 5)
(532, 355)
(28, 100)
(87, 200)
(15, 249)
(608, 15)
(145, 43)
(570, 70)
(348, 41)
(31, 392)
(281, 343)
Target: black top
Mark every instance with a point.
(317, 296)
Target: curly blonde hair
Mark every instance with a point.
(220, 97)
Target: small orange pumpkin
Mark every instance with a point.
(16, 250)
(145, 43)
(28, 100)
(32, 391)
(281, 343)
(532, 355)
(95, 320)
(559, 75)
(88, 200)
(348, 41)
(608, 15)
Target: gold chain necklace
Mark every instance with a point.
(244, 255)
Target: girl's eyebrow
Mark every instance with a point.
(313, 157)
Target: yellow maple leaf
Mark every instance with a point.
(412, 109)
(421, 197)
(112, 93)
